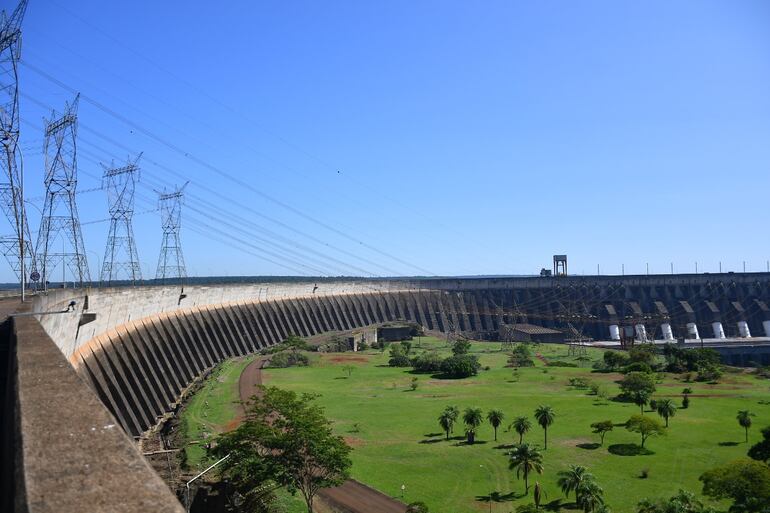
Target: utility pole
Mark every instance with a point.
(60, 213)
(121, 254)
(16, 248)
(171, 262)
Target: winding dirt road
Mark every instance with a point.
(351, 496)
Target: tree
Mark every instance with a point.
(446, 420)
(602, 428)
(589, 496)
(429, 361)
(666, 409)
(521, 425)
(472, 418)
(537, 495)
(569, 480)
(460, 366)
(614, 359)
(525, 459)
(413, 385)
(454, 412)
(645, 426)
(745, 481)
(521, 356)
(545, 417)
(349, 369)
(462, 346)
(682, 502)
(638, 387)
(761, 451)
(744, 419)
(495, 418)
(296, 343)
(398, 356)
(291, 440)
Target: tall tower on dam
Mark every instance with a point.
(16, 248)
(121, 257)
(171, 261)
(60, 238)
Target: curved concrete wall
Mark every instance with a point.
(140, 347)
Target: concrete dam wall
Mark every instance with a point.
(139, 348)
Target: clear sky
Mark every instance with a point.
(415, 137)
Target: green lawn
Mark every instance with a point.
(397, 440)
(211, 409)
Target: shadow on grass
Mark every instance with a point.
(464, 443)
(728, 444)
(432, 440)
(629, 450)
(589, 446)
(500, 497)
(431, 435)
(341, 377)
(504, 446)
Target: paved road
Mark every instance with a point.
(351, 496)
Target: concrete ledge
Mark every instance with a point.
(71, 454)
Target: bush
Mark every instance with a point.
(685, 402)
(637, 367)
(461, 347)
(614, 360)
(400, 361)
(460, 366)
(417, 507)
(428, 361)
(289, 359)
(578, 382)
(708, 372)
(521, 356)
(560, 363)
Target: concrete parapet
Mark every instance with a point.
(69, 454)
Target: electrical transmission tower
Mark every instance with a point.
(16, 248)
(60, 223)
(171, 262)
(121, 257)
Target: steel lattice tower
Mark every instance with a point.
(171, 262)
(121, 257)
(16, 248)
(60, 223)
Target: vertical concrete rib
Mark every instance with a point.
(146, 352)
(167, 359)
(105, 391)
(339, 307)
(250, 317)
(307, 311)
(117, 387)
(281, 330)
(268, 322)
(234, 313)
(134, 380)
(178, 356)
(152, 384)
(201, 352)
(223, 327)
(320, 311)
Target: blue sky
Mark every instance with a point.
(422, 137)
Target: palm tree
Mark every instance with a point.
(525, 459)
(495, 417)
(472, 417)
(744, 419)
(545, 417)
(666, 409)
(454, 413)
(521, 425)
(590, 496)
(573, 478)
(446, 421)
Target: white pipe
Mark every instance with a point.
(615, 331)
(187, 485)
(719, 331)
(641, 332)
(668, 334)
(743, 329)
(766, 325)
(692, 330)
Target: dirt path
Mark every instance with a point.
(351, 496)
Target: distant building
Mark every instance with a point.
(530, 333)
(394, 333)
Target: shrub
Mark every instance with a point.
(413, 385)
(398, 356)
(289, 359)
(521, 356)
(428, 361)
(708, 372)
(461, 347)
(460, 366)
(417, 507)
(614, 359)
(685, 402)
(560, 363)
(637, 367)
(644, 474)
(578, 382)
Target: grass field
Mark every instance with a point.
(397, 440)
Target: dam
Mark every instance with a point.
(136, 349)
